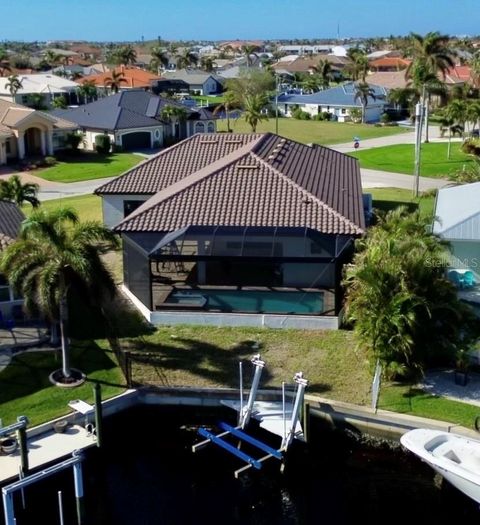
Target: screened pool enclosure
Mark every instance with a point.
(237, 269)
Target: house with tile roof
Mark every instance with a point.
(227, 224)
(134, 78)
(134, 119)
(338, 101)
(26, 132)
(11, 218)
(199, 82)
(48, 85)
(389, 64)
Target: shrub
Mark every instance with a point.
(300, 114)
(471, 147)
(73, 140)
(327, 115)
(50, 161)
(385, 118)
(102, 144)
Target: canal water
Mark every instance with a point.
(147, 475)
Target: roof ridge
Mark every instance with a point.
(311, 196)
(191, 180)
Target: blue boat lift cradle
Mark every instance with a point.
(287, 430)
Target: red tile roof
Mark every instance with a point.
(135, 78)
(244, 180)
(390, 62)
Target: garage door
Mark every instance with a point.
(138, 140)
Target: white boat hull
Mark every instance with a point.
(455, 457)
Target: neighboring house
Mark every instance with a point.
(237, 223)
(25, 132)
(306, 64)
(459, 75)
(389, 64)
(11, 218)
(198, 81)
(47, 85)
(388, 79)
(338, 101)
(164, 85)
(133, 120)
(457, 220)
(134, 78)
(306, 50)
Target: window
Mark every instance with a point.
(344, 111)
(199, 127)
(8, 147)
(211, 127)
(5, 295)
(131, 206)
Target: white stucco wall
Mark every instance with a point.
(90, 139)
(112, 207)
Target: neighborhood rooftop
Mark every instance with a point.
(244, 179)
(10, 220)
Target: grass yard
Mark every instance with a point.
(313, 131)
(27, 391)
(410, 400)
(386, 199)
(400, 159)
(88, 207)
(88, 166)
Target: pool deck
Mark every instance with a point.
(46, 448)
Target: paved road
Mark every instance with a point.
(385, 179)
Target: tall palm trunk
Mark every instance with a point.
(63, 310)
(426, 104)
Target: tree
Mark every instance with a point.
(362, 93)
(403, 308)
(160, 58)
(52, 59)
(15, 191)
(431, 56)
(311, 84)
(88, 90)
(186, 59)
(114, 82)
(174, 115)
(207, 64)
(229, 102)
(59, 102)
(252, 110)
(127, 55)
(325, 72)
(36, 101)
(248, 51)
(358, 67)
(4, 62)
(251, 82)
(13, 85)
(55, 259)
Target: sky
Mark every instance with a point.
(129, 20)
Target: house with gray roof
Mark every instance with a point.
(11, 218)
(135, 119)
(199, 82)
(338, 101)
(226, 224)
(457, 220)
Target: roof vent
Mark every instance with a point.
(205, 141)
(234, 141)
(306, 200)
(247, 166)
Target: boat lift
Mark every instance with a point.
(288, 433)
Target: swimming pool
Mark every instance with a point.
(250, 301)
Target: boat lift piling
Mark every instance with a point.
(244, 418)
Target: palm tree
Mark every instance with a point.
(4, 63)
(127, 55)
(52, 59)
(59, 103)
(159, 58)
(186, 59)
(88, 90)
(358, 68)
(15, 191)
(56, 258)
(207, 64)
(114, 82)
(250, 50)
(229, 102)
(431, 56)
(13, 85)
(252, 110)
(362, 93)
(312, 84)
(174, 115)
(457, 112)
(325, 71)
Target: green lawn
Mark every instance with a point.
(27, 391)
(312, 131)
(88, 207)
(410, 400)
(400, 159)
(386, 199)
(88, 165)
(209, 99)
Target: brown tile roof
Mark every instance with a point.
(388, 79)
(305, 64)
(265, 180)
(393, 62)
(134, 77)
(10, 219)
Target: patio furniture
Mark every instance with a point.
(469, 279)
(456, 277)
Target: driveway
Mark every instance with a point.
(386, 179)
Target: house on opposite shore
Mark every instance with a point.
(338, 101)
(237, 229)
(25, 132)
(11, 218)
(135, 119)
(132, 78)
(199, 82)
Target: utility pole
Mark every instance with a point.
(419, 113)
(276, 103)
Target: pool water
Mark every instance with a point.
(147, 475)
(251, 301)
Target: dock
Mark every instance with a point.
(45, 448)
